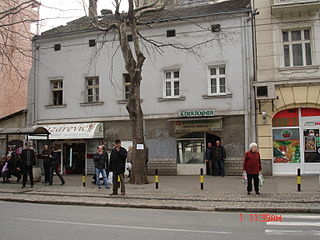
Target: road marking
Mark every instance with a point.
(292, 232)
(122, 226)
(302, 216)
(310, 224)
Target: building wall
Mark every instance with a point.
(76, 61)
(16, 61)
(294, 86)
(77, 54)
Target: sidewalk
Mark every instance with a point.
(278, 194)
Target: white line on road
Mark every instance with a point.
(309, 224)
(292, 232)
(301, 216)
(123, 226)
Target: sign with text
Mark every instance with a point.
(196, 113)
(197, 126)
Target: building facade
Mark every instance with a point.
(16, 21)
(189, 98)
(288, 85)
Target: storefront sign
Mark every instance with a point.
(74, 131)
(196, 113)
(312, 123)
(181, 127)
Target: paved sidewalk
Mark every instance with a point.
(278, 194)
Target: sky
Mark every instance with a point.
(58, 12)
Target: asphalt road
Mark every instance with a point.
(21, 221)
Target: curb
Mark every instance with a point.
(169, 207)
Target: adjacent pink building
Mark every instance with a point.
(17, 18)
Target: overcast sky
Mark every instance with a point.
(58, 12)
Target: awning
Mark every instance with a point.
(31, 130)
(73, 131)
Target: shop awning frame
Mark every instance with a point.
(29, 131)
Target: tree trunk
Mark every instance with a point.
(139, 171)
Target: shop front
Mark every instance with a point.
(195, 128)
(76, 142)
(296, 141)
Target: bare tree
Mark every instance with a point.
(122, 24)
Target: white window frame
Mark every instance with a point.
(303, 43)
(172, 81)
(94, 86)
(57, 88)
(126, 84)
(218, 77)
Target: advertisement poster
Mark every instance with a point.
(311, 145)
(286, 145)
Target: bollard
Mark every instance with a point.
(201, 179)
(118, 180)
(84, 178)
(299, 180)
(156, 179)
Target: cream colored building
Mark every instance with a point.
(288, 85)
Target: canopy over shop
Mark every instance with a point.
(35, 131)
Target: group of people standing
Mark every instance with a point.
(214, 157)
(116, 165)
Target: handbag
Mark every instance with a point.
(244, 178)
(261, 180)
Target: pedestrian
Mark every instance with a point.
(47, 158)
(5, 169)
(129, 161)
(208, 158)
(252, 166)
(28, 159)
(101, 163)
(55, 161)
(14, 165)
(219, 156)
(117, 166)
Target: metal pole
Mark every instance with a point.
(84, 178)
(201, 178)
(299, 180)
(156, 179)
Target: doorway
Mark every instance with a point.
(74, 158)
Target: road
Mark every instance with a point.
(23, 221)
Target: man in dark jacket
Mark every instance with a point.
(56, 156)
(28, 159)
(47, 158)
(219, 156)
(117, 166)
(101, 163)
(208, 158)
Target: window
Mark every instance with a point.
(172, 84)
(92, 42)
(217, 80)
(57, 47)
(171, 33)
(126, 85)
(92, 87)
(297, 48)
(56, 92)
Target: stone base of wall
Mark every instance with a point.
(233, 166)
(164, 166)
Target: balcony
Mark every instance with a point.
(283, 7)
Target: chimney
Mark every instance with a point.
(93, 8)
